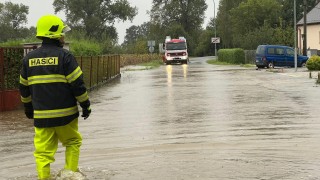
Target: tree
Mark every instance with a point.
(240, 22)
(134, 33)
(288, 9)
(12, 19)
(223, 21)
(253, 14)
(178, 17)
(139, 47)
(96, 17)
(188, 13)
(136, 39)
(205, 47)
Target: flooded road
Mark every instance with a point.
(195, 121)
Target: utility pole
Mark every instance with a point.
(295, 35)
(304, 37)
(215, 28)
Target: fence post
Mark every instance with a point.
(118, 66)
(103, 67)
(98, 70)
(113, 65)
(109, 67)
(81, 62)
(90, 71)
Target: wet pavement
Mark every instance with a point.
(195, 121)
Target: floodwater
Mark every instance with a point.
(186, 122)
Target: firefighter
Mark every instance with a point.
(51, 85)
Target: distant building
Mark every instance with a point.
(313, 31)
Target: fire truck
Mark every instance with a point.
(175, 51)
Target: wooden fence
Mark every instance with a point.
(97, 70)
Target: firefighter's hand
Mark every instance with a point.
(86, 112)
(28, 110)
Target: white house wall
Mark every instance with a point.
(313, 37)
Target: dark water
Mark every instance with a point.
(195, 121)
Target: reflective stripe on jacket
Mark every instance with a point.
(52, 80)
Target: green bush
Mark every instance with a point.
(313, 64)
(83, 47)
(233, 56)
(13, 43)
(12, 63)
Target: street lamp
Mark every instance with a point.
(215, 28)
(295, 35)
(305, 27)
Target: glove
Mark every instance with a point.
(28, 110)
(86, 112)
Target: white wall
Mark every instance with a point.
(313, 37)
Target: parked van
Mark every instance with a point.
(276, 55)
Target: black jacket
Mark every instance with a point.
(53, 82)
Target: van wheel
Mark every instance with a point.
(270, 65)
(303, 64)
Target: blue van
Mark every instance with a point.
(276, 55)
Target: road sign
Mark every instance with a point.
(215, 40)
(151, 49)
(151, 43)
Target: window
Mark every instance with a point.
(271, 50)
(280, 51)
(290, 52)
(260, 49)
(176, 46)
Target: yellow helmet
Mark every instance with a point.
(51, 26)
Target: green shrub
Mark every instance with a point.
(313, 64)
(13, 43)
(12, 63)
(85, 47)
(233, 56)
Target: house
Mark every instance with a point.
(313, 31)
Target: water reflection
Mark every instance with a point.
(185, 70)
(169, 74)
(179, 70)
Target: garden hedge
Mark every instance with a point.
(232, 56)
(313, 63)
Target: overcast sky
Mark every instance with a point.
(37, 8)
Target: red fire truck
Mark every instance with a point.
(175, 51)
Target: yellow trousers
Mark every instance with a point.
(46, 145)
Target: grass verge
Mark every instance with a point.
(215, 62)
(147, 65)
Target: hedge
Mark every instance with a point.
(232, 56)
(313, 63)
